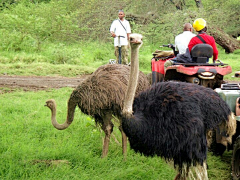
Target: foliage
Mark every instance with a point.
(77, 32)
(36, 22)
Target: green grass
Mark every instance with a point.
(28, 138)
(231, 59)
(45, 69)
(85, 60)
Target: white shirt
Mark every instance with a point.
(182, 40)
(118, 29)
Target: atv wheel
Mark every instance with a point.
(216, 148)
(236, 160)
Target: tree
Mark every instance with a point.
(227, 42)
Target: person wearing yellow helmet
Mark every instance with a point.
(200, 25)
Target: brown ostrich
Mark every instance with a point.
(101, 96)
(172, 120)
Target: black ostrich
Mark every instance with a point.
(172, 119)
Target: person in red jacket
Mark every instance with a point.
(200, 26)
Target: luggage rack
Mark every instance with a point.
(230, 86)
(200, 64)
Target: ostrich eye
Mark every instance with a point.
(131, 39)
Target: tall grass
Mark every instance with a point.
(29, 144)
(66, 59)
(84, 58)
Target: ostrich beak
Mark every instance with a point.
(136, 39)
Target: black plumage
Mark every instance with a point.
(171, 120)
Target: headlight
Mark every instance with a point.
(206, 75)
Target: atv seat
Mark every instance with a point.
(200, 53)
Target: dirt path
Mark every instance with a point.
(33, 83)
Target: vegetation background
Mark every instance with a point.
(75, 33)
(69, 38)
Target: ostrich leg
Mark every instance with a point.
(124, 142)
(107, 127)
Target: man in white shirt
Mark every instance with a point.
(120, 31)
(182, 40)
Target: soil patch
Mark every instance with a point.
(34, 83)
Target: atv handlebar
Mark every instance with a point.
(218, 60)
(172, 47)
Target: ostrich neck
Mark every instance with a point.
(132, 83)
(69, 120)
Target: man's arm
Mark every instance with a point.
(215, 51)
(112, 29)
(128, 34)
(113, 34)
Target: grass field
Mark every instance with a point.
(84, 59)
(30, 146)
(66, 38)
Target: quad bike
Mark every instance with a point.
(231, 94)
(199, 72)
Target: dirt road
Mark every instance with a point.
(33, 83)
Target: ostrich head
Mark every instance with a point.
(135, 40)
(51, 104)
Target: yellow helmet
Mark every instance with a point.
(199, 24)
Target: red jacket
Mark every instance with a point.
(209, 40)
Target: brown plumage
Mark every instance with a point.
(101, 96)
(105, 89)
